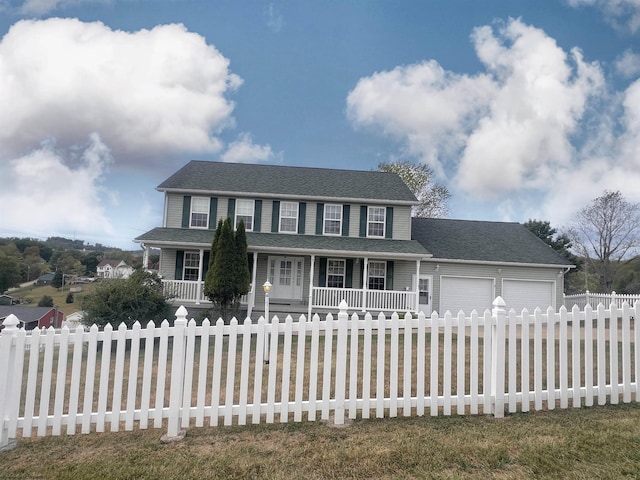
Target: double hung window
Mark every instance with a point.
(289, 217)
(375, 222)
(332, 219)
(335, 273)
(244, 212)
(377, 275)
(199, 212)
(191, 268)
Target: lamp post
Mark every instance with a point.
(266, 287)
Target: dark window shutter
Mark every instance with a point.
(319, 219)
(302, 215)
(179, 264)
(213, 212)
(186, 211)
(348, 281)
(205, 265)
(322, 272)
(345, 220)
(389, 283)
(257, 215)
(389, 223)
(275, 217)
(363, 221)
(231, 210)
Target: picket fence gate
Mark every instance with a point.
(336, 368)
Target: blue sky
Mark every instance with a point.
(523, 111)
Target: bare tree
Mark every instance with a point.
(607, 233)
(419, 177)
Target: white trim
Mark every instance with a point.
(324, 219)
(280, 217)
(440, 260)
(206, 212)
(384, 221)
(245, 201)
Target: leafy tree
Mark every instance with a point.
(58, 279)
(45, 301)
(9, 271)
(137, 298)
(607, 234)
(91, 261)
(227, 278)
(69, 298)
(419, 177)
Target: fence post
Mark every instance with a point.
(499, 317)
(7, 379)
(341, 363)
(177, 375)
(613, 300)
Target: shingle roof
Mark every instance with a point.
(24, 314)
(309, 243)
(483, 241)
(284, 180)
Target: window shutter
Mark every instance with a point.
(345, 220)
(363, 221)
(275, 217)
(179, 264)
(389, 282)
(213, 212)
(205, 265)
(302, 215)
(319, 219)
(257, 215)
(348, 281)
(322, 272)
(389, 223)
(186, 211)
(231, 210)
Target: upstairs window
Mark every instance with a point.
(332, 219)
(376, 221)
(289, 217)
(199, 212)
(244, 212)
(191, 268)
(335, 273)
(377, 275)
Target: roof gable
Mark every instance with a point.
(281, 180)
(499, 242)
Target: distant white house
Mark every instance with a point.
(114, 269)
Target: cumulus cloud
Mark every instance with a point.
(628, 64)
(243, 150)
(42, 195)
(622, 14)
(148, 91)
(538, 133)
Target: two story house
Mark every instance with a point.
(323, 235)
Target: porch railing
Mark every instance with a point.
(370, 300)
(186, 291)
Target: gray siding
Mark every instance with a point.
(167, 264)
(174, 210)
(401, 223)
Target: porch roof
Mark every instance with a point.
(281, 243)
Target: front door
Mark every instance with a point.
(285, 276)
(424, 293)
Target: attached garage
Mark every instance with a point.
(529, 294)
(466, 294)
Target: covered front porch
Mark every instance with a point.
(323, 299)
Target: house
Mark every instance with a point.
(33, 317)
(323, 235)
(113, 269)
(45, 279)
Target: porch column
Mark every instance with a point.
(252, 294)
(311, 272)
(365, 284)
(200, 281)
(417, 291)
(145, 257)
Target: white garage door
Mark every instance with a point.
(529, 294)
(466, 294)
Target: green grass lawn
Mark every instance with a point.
(34, 293)
(599, 442)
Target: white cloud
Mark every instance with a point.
(243, 150)
(622, 14)
(537, 134)
(145, 92)
(42, 195)
(274, 20)
(628, 64)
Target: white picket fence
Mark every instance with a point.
(595, 299)
(344, 366)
